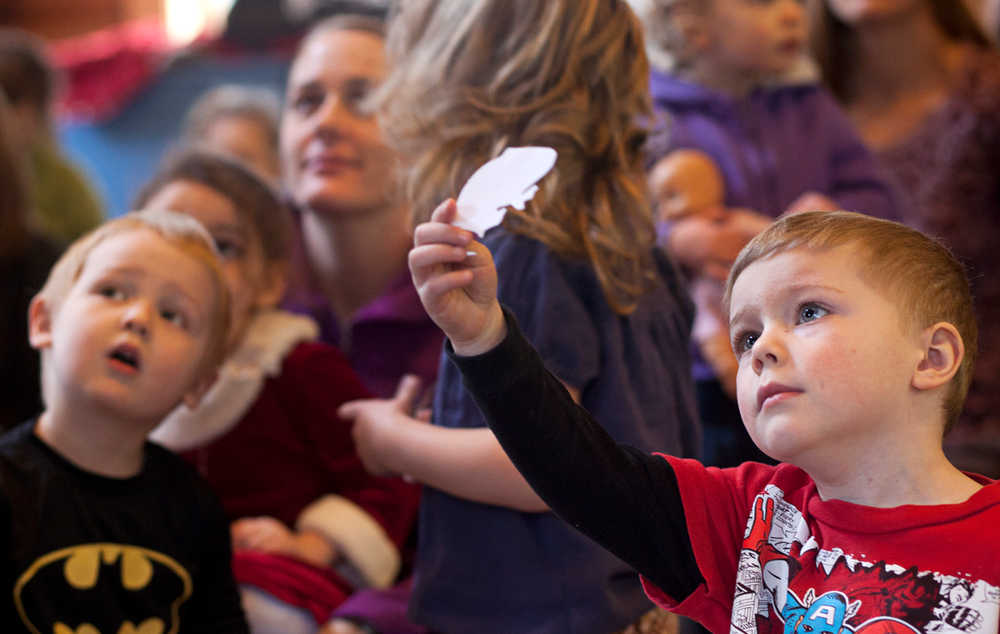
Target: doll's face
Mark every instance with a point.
(685, 183)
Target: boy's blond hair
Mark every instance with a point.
(922, 275)
(181, 231)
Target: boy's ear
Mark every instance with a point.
(193, 396)
(274, 281)
(39, 323)
(943, 352)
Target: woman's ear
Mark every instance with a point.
(274, 281)
(39, 323)
(943, 351)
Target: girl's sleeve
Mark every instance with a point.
(551, 300)
(624, 499)
(858, 182)
(367, 517)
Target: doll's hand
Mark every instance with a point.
(457, 290)
(696, 241)
(811, 201)
(269, 535)
(379, 422)
(747, 222)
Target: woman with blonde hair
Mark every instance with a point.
(932, 116)
(348, 269)
(580, 272)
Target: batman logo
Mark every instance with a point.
(102, 589)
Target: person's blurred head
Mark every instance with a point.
(29, 82)
(250, 226)
(832, 24)
(334, 159)
(14, 197)
(239, 121)
(716, 39)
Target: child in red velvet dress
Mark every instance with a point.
(309, 524)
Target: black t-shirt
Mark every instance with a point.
(79, 548)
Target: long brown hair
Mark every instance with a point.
(472, 78)
(832, 44)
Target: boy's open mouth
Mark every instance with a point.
(126, 355)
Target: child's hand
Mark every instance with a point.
(747, 222)
(711, 245)
(269, 535)
(811, 201)
(340, 626)
(458, 290)
(378, 423)
(696, 241)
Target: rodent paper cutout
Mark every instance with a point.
(506, 181)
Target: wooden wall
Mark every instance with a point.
(56, 19)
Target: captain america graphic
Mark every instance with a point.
(813, 589)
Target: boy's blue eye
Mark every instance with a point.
(811, 312)
(744, 342)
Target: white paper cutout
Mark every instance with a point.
(506, 181)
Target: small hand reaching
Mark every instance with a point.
(811, 201)
(378, 420)
(270, 535)
(457, 283)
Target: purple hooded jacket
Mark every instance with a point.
(772, 145)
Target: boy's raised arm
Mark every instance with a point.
(457, 283)
(624, 499)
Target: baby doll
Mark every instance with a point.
(687, 183)
(309, 525)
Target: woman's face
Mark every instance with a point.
(853, 12)
(333, 155)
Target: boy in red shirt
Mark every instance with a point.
(855, 339)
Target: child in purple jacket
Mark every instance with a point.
(723, 83)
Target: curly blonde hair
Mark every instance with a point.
(471, 78)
